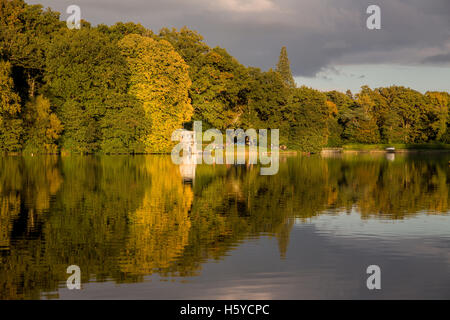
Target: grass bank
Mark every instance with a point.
(397, 146)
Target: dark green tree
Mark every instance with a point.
(306, 120)
(268, 99)
(284, 68)
(24, 37)
(342, 102)
(87, 80)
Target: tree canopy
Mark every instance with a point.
(125, 89)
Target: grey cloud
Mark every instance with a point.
(317, 33)
(438, 59)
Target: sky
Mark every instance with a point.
(328, 43)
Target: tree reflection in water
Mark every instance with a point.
(122, 218)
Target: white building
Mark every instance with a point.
(188, 142)
(189, 159)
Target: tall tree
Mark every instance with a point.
(284, 68)
(160, 81)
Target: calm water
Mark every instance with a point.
(141, 227)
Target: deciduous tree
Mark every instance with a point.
(160, 81)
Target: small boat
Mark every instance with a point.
(390, 149)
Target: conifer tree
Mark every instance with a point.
(284, 69)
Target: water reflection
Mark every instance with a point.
(187, 168)
(390, 156)
(122, 218)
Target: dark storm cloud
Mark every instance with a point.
(318, 33)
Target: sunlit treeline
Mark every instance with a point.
(123, 218)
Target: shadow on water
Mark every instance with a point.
(121, 218)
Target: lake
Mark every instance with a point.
(141, 227)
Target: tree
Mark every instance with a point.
(268, 98)
(124, 89)
(219, 91)
(440, 102)
(284, 68)
(160, 81)
(342, 102)
(306, 122)
(439, 114)
(43, 128)
(360, 124)
(26, 33)
(189, 45)
(408, 111)
(219, 82)
(124, 128)
(87, 80)
(360, 127)
(120, 30)
(335, 130)
(11, 128)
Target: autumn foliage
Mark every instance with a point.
(125, 89)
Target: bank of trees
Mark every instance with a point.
(391, 115)
(124, 89)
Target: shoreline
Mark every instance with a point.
(343, 150)
(331, 150)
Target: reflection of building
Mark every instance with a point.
(390, 156)
(189, 159)
(187, 168)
